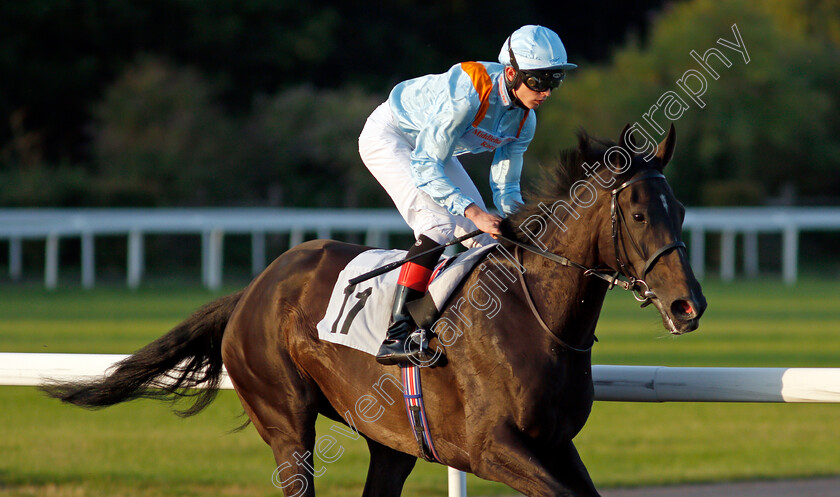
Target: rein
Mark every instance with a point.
(536, 312)
(641, 290)
(612, 279)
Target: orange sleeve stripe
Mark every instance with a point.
(483, 85)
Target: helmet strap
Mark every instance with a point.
(516, 82)
(511, 85)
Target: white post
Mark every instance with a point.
(88, 261)
(698, 252)
(373, 238)
(751, 254)
(295, 237)
(257, 252)
(790, 254)
(211, 258)
(727, 255)
(136, 258)
(324, 234)
(217, 238)
(51, 262)
(15, 258)
(457, 483)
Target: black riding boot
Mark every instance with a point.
(399, 346)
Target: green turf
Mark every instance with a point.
(141, 449)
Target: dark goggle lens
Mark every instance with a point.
(545, 81)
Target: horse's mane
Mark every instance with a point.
(555, 180)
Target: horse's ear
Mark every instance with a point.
(665, 150)
(583, 141)
(626, 141)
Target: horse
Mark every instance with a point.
(518, 385)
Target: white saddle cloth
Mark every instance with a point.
(358, 316)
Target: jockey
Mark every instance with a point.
(410, 144)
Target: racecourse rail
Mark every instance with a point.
(212, 224)
(612, 383)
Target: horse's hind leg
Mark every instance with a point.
(292, 440)
(387, 471)
(291, 436)
(295, 470)
(281, 403)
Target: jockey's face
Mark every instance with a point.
(529, 98)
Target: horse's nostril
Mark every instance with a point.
(683, 308)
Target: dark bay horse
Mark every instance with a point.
(518, 385)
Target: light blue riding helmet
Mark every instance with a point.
(535, 48)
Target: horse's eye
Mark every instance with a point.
(639, 217)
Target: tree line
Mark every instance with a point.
(258, 102)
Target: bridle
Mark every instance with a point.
(631, 282)
(617, 219)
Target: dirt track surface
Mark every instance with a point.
(822, 487)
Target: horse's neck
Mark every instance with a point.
(568, 301)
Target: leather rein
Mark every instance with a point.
(641, 290)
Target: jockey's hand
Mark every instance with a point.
(486, 222)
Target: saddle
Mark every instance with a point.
(357, 315)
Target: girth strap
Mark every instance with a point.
(413, 395)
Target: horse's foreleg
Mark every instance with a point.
(387, 471)
(565, 463)
(506, 459)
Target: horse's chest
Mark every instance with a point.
(551, 410)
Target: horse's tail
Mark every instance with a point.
(170, 368)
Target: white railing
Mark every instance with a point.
(612, 383)
(750, 221)
(212, 224)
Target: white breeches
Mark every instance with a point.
(386, 153)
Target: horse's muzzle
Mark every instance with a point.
(683, 314)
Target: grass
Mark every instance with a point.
(140, 449)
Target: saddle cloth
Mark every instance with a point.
(358, 316)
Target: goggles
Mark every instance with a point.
(536, 80)
(540, 81)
